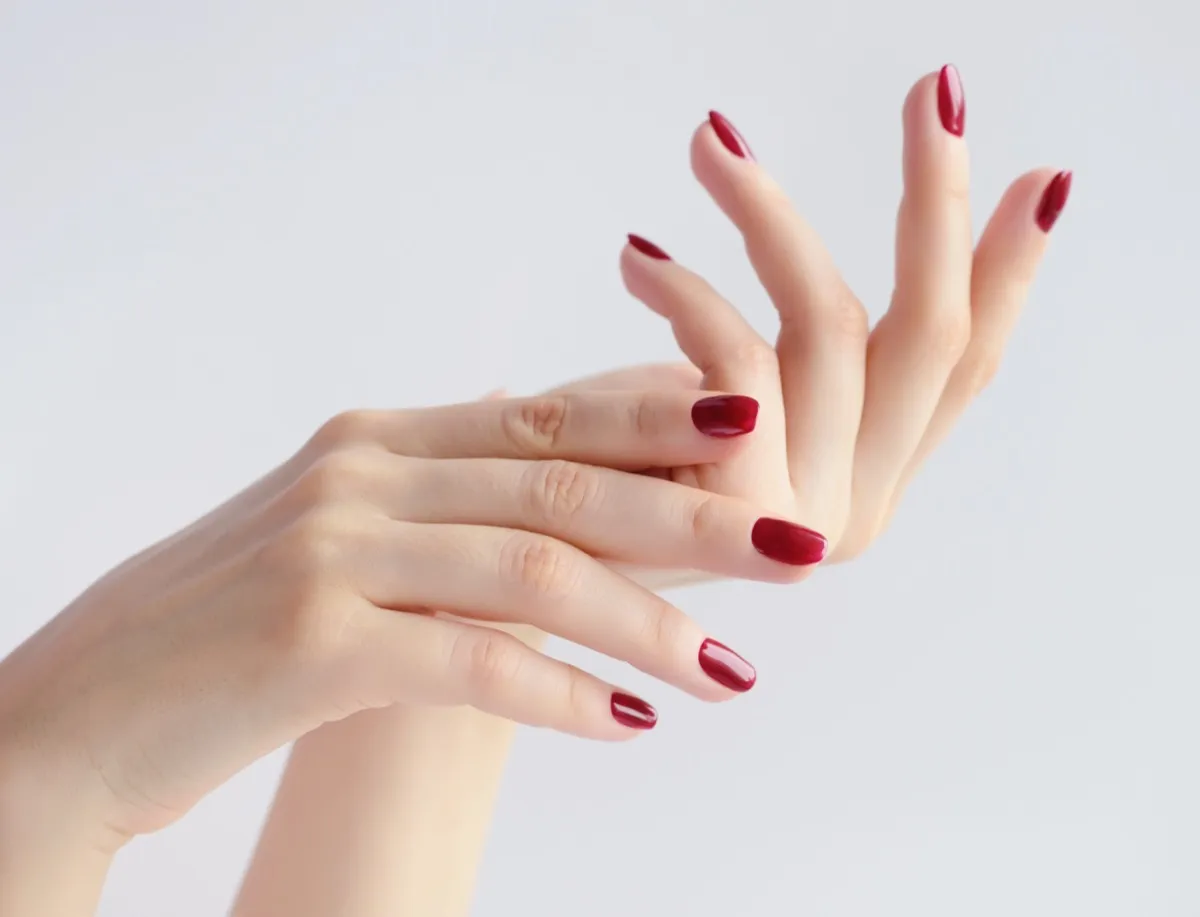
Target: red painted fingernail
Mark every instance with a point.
(728, 134)
(726, 667)
(633, 711)
(787, 542)
(952, 105)
(646, 247)
(1054, 199)
(725, 416)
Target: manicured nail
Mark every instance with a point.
(1054, 199)
(725, 416)
(633, 711)
(952, 105)
(726, 667)
(728, 134)
(646, 247)
(787, 542)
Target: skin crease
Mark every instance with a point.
(378, 812)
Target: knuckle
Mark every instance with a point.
(662, 629)
(645, 420)
(704, 517)
(344, 429)
(485, 660)
(334, 476)
(562, 490)
(756, 357)
(536, 425)
(957, 188)
(982, 369)
(575, 705)
(311, 546)
(947, 335)
(848, 320)
(538, 565)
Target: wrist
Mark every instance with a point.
(52, 860)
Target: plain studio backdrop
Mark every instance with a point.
(221, 223)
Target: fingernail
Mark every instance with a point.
(728, 134)
(633, 711)
(725, 416)
(646, 247)
(726, 667)
(952, 105)
(787, 542)
(1054, 199)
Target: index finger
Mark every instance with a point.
(627, 430)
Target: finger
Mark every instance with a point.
(609, 514)
(508, 576)
(917, 344)
(1006, 261)
(731, 355)
(423, 659)
(823, 328)
(616, 429)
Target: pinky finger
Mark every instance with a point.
(1004, 266)
(426, 659)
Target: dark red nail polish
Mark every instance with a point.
(728, 134)
(725, 416)
(633, 711)
(646, 247)
(787, 542)
(1054, 199)
(952, 105)
(726, 667)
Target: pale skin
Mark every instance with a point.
(304, 607)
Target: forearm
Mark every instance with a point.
(50, 866)
(385, 813)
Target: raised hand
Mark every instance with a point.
(848, 413)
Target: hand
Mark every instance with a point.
(848, 413)
(307, 597)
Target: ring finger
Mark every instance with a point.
(919, 341)
(515, 577)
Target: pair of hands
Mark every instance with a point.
(371, 568)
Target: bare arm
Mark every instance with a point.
(385, 813)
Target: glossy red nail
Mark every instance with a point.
(646, 247)
(787, 542)
(726, 667)
(1054, 199)
(725, 416)
(728, 135)
(952, 105)
(633, 711)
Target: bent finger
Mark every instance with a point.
(514, 577)
(425, 659)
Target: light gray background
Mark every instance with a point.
(222, 222)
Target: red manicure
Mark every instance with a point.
(788, 543)
(725, 416)
(1054, 199)
(646, 247)
(726, 667)
(952, 105)
(633, 711)
(728, 135)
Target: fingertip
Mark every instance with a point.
(635, 714)
(918, 94)
(645, 247)
(725, 416)
(1053, 201)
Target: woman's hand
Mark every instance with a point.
(311, 595)
(848, 413)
